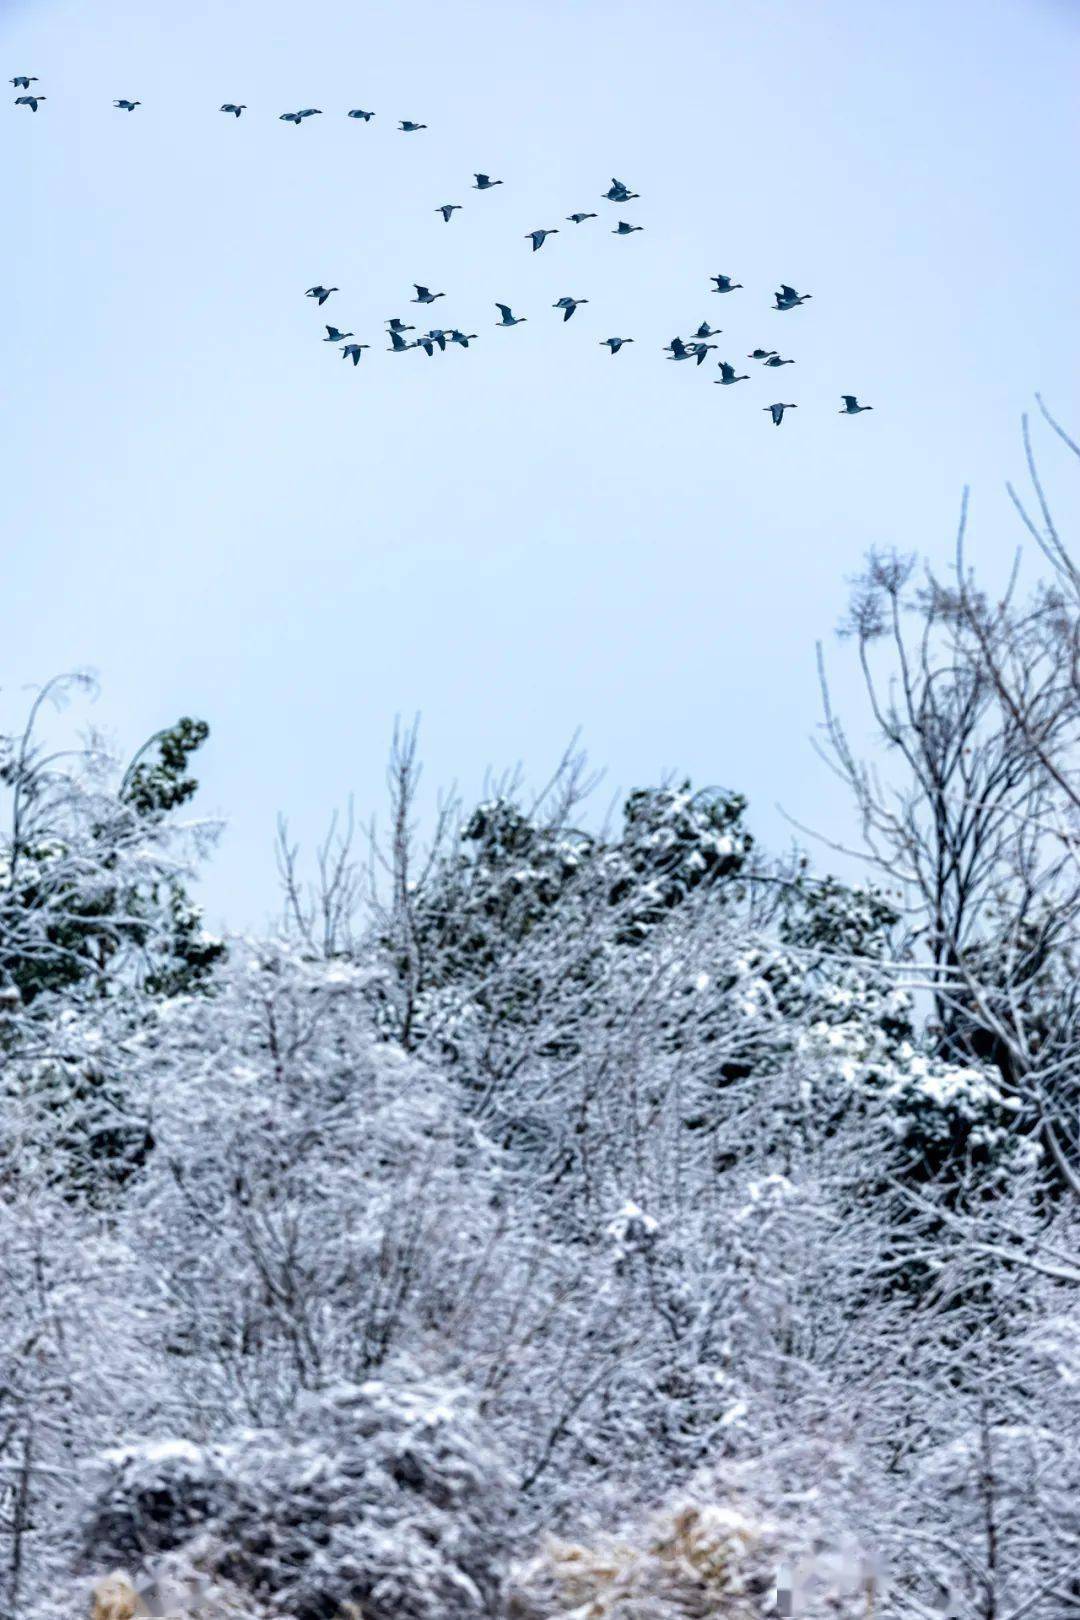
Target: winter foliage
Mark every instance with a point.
(555, 1221)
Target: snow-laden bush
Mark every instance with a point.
(387, 1495)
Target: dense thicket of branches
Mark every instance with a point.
(561, 1221)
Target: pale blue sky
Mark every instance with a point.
(214, 511)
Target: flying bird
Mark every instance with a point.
(396, 324)
(291, 118)
(29, 101)
(788, 298)
(852, 406)
(358, 112)
(423, 296)
(321, 293)
(463, 338)
(508, 316)
(727, 375)
(568, 306)
(353, 351)
(688, 351)
(538, 238)
(23, 81)
(579, 219)
(408, 126)
(398, 344)
(700, 350)
(778, 411)
(127, 106)
(724, 284)
(334, 336)
(235, 107)
(484, 182)
(774, 360)
(707, 331)
(614, 344)
(760, 354)
(623, 229)
(310, 112)
(446, 209)
(428, 341)
(618, 192)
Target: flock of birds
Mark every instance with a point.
(694, 348)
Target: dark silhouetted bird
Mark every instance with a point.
(358, 112)
(321, 293)
(679, 351)
(235, 107)
(409, 127)
(724, 284)
(623, 229)
(334, 336)
(778, 411)
(774, 360)
(353, 351)
(29, 101)
(127, 106)
(446, 209)
(788, 298)
(538, 238)
(291, 118)
(727, 375)
(311, 112)
(568, 306)
(398, 344)
(760, 354)
(429, 339)
(462, 338)
(396, 324)
(484, 182)
(579, 219)
(618, 192)
(700, 350)
(508, 316)
(851, 406)
(23, 81)
(614, 344)
(707, 331)
(423, 296)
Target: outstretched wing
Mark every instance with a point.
(506, 311)
(849, 400)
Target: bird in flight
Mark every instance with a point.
(310, 112)
(778, 411)
(688, 351)
(235, 107)
(508, 316)
(23, 81)
(463, 338)
(408, 126)
(127, 106)
(353, 351)
(538, 238)
(579, 219)
(727, 375)
(774, 360)
(852, 406)
(568, 306)
(618, 192)
(707, 331)
(321, 293)
(358, 112)
(446, 209)
(724, 284)
(623, 229)
(760, 354)
(429, 340)
(29, 101)
(398, 344)
(423, 296)
(396, 324)
(291, 118)
(614, 344)
(788, 298)
(484, 182)
(334, 336)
